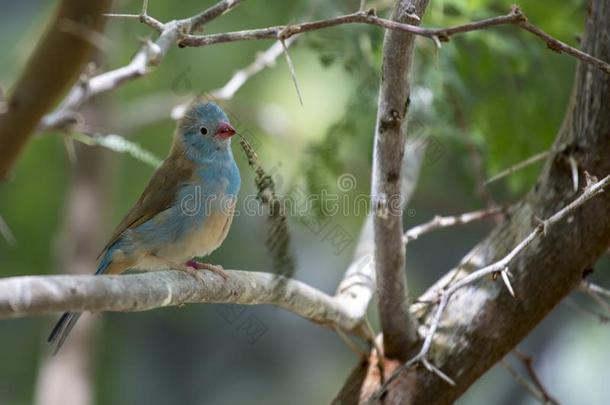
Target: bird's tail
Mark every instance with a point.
(64, 326)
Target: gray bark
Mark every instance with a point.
(399, 328)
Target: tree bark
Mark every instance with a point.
(55, 64)
(399, 328)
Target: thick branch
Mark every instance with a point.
(31, 295)
(399, 329)
(56, 62)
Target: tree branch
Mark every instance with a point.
(516, 167)
(32, 295)
(514, 17)
(528, 363)
(71, 35)
(525, 383)
(398, 327)
(444, 222)
(598, 294)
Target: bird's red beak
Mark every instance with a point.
(225, 130)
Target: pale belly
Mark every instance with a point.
(199, 242)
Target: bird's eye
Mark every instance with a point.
(203, 130)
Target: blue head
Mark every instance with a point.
(205, 130)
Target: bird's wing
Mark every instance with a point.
(158, 195)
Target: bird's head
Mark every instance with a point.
(205, 128)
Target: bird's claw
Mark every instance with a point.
(215, 268)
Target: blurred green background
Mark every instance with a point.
(497, 94)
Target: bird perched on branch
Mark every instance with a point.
(184, 212)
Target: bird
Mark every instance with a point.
(184, 212)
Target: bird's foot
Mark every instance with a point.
(215, 268)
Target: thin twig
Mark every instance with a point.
(263, 60)
(602, 318)
(514, 17)
(351, 345)
(443, 222)
(561, 47)
(528, 363)
(126, 16)
(359, 17)
(525, 163)
(595, 289)
(293, 72)
(524, 382)
(597, 293)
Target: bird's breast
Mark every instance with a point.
(207, 235)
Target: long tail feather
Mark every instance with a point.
(62, 329)
(66, 323)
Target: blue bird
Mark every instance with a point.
(184, 212)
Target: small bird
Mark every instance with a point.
(185, 210)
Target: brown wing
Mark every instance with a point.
(158, 195)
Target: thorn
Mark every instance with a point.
(504, 274)
(291, 68)
(543, 224)
(574, 167)
(438, 372)
(70, 150)
(112, 15)
(589, 180)
(351, 345)
(437, 42)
